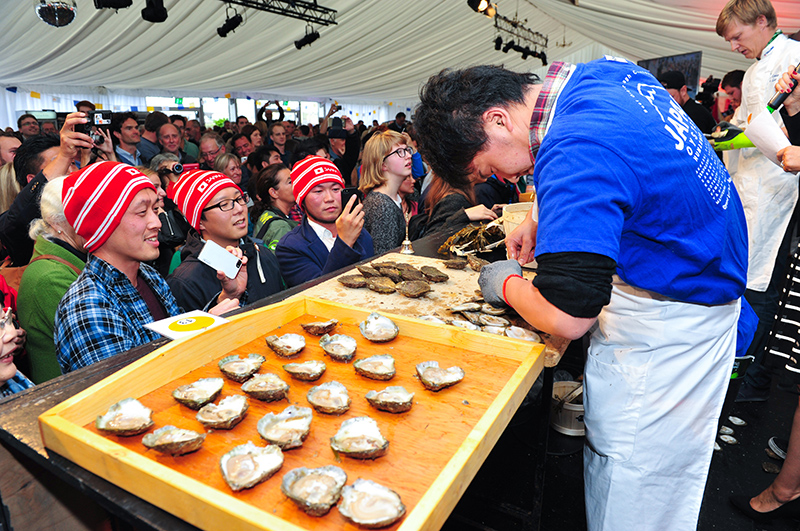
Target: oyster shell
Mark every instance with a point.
(197, 394)
(411, 274)
(308, 371)
(523, 333)
(125, 418)
(432, 319)
(402, 266)
(267, 387)
(413, 288)
(330, 397)
(433, 274)
(223, 416)
(498, 330)
(174, 441)
(475, 263)
(378, 367)
(381, 285)
(371, 505)
(491, 310)
(314, 490)
(288, 345)
(390, 272)
(288, 429)
(461, 323)
(240, 369)
(247, 465)
(388, 263)
(353, 281)
(394, 399)
(339, 347)
(473, 317)
(368, 271)
(378, 328)
(455, 263)
(492, 320)
(466, 307)
(435, 378)
(320, 328)
(360, 438)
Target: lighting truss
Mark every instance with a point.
(299, 9)
(520, 31)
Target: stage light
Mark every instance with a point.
(57, 13)
(308, 38)
(112, 4)
(484, 7)
(543, 57)
(498, 43)
(526, 52)
(154, 11)
(508, 46)
(231, 23)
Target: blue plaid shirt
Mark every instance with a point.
(16, 384)
(102, 314)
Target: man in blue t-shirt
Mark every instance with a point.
(640, 239)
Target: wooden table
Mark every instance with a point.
(42, 490)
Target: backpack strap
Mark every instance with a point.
(265, 226)
(57, 259)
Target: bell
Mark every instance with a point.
(406, 247)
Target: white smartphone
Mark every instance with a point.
(216, 257)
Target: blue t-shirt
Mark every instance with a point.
(623, 172)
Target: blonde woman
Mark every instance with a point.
(9, 187)
(386, 164)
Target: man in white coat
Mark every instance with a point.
(768, 193)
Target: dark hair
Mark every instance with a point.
(305, 130)
(29, 160)
(261, 184)
(177, 117)
(259, 156)
(155, 120)
(240, 117)
(248, 131)
(85, 103)
(439, 189)
(449, 119)
(27, 115)
(117, 119)
(304, 148)
(733, 79)
(399, 115)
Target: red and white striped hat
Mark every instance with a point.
(96, 197)
(310, 172)
(195, 189)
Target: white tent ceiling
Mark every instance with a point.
(380, 50)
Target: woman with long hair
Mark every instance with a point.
(450, 208)
(274, 200)
(386, 162)
(253, 134)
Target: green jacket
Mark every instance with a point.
(277, 229)
(43, 285)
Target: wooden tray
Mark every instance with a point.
(435, 449)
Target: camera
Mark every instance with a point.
(177, 169)
(97, 119)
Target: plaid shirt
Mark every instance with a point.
(557, 76)
(16, 384)
(102, 314)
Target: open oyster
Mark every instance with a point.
(330, 397)
(197, 394)
(288, 345)
(371, 505)
(491, 310)
(435, 378)
(287, 429)
(523, 333)
(433, 274)
(267, 387)
(413, 288)
(394, 399)
(461, 323)
(353, 281)
(492, 320)
(475, 263)
(378, 328)
(314, 490)
(360, 438)
(247, 465)
(466, 307)
(455, 263)
(308, 371)
(125, 418)
(174, 441)
(319, 328)
(383, 285)
(497, 330)
(473, 317)
(378, 367)
(240, 369)
(223, 416)
(432, 319)
(339, 347)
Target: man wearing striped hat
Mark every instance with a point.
(330, 237)
(113, 206)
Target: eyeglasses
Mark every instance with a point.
(207, 154)
(24, 124)
(401, 152)
(227, 204)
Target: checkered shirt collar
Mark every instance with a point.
(557, 76)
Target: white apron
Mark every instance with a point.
(655, 381)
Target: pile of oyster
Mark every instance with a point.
(389, 277)
(485, 318)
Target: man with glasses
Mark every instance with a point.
(211, 147)
(28, 126)
(217, 209)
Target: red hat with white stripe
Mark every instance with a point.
(195, 189)
(310, 172)
(96, 197)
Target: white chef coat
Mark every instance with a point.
(768, 193)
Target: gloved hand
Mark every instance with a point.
(493, 278)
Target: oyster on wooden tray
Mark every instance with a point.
(378, 367)
(360, 438)
(353, 281)
(240, 369)
(320, 328)
(314, 490)
(174, 441)
(413, 288)
(247, 465)
(308, 371)
(378, 328)
(436, 378)
(223, 416)
(394, 399)
(197, 394)
(339, 347)
(287, 345)
(371, 505)
(383, 285)
(287, 429)
(267, 387)
(125, 418)
(331, 398)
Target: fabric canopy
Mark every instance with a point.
(380, 52)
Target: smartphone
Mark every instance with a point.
(216, 257)
(348, 192)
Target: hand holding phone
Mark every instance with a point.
(216, 257)
(349, 192)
